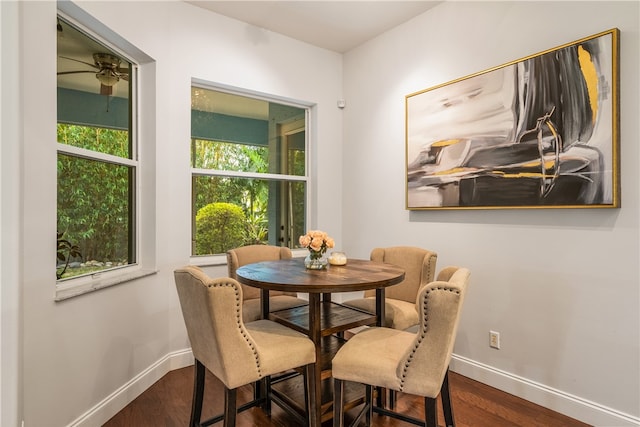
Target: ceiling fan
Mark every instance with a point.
(109, 71)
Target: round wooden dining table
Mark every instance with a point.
(322, 319)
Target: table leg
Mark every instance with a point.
(380, 313)
(380, 307)
(315, 335)
(264, 302)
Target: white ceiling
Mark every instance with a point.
(331, 24)
(334, 25)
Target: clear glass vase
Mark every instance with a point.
(316, 261)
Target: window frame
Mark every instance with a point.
(144, 243)
(221, 259)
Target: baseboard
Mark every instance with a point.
(556, 400)
(112, 404)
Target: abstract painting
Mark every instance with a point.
(539, 132)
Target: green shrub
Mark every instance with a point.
(219, 227)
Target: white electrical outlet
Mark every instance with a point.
(494, 339)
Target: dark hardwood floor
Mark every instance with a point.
(168, 404)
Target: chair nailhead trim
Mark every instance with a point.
(241, 326)
(424, 329)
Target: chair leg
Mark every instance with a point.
(198, 392)
(369, 402)
(257, 393)
(430, 412)
(230, 396)
(381, 398)
(266, 392)
(446, 402)
(338, 402)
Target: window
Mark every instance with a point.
(249, 171)
(97, 157)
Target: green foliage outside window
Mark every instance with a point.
(252, 195)
(65, 253)
(225, 156)
(108, 141)
(249, 195)
(220, 227)
(94, 198)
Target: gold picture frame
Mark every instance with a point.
(539, 132)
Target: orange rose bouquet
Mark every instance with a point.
(317, 242)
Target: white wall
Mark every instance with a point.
(10, 190)
(84, 357)
(561, 286)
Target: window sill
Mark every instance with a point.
(70, 291)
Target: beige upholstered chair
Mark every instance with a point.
(251, 309)
(413, 363)
(419, 265)
(235, 352)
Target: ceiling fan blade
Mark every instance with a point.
(82, 62)
(106, 90)
(75, 72)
